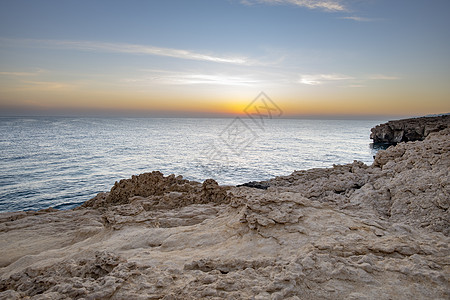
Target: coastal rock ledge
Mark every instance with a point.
(408, 130)
(347, 232)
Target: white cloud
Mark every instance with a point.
(316, 79)
(358, 19)
(218, 79)
(327, 5)
(185, 78)
(129, 48)
(383, 77)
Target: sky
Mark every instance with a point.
(213, 57)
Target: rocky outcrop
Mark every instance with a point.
(407, 184)
(407, 130)
(154, 190)
(348, 232)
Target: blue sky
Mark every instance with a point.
(312, 57)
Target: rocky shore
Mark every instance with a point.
(408, 130)
(348, 232)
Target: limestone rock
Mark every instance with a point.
(408, 130)
(154, 189)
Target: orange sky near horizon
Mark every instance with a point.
(219, 100)
(177, 57)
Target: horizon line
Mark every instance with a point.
(375, 117)
(18, 112)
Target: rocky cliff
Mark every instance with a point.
(407, 130)
(348, 232)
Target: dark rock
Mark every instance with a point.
(407, 130)
(263, 185)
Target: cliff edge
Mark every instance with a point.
(408, 130)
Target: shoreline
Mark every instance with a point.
(348, 232)
(80, 167)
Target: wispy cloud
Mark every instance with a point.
(129, 49)
(354, 82)
(383, 77)
(186, 78)
(357, 19)
(21, 74)
(48, 86)
(327, 5)
(317, 79)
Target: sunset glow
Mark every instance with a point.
(214, 57)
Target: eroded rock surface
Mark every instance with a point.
(154, 190)
(348, 232)
(408, 130)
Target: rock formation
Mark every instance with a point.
(408, 130)
(264, 185)
(348, 232)
(153, 190)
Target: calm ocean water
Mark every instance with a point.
(62, 162)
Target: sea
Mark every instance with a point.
(61, 162)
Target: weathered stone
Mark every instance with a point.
(408, 130)
(348, 232)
